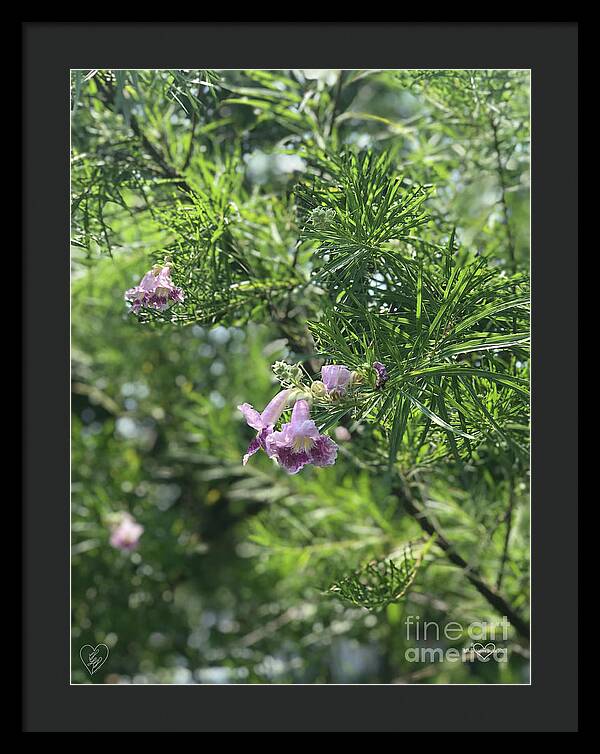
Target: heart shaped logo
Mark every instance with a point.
(484, 652)
(93, 657)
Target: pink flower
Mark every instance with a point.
(264, 422)
(126, 534)
(155, 291)
(336, 378)
(300, 443)
(342, 434)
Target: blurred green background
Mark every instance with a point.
(229, 582)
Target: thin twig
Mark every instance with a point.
(503, 202)
(192, 133)
(108, 94)
(513, 266)
(508, 518)
(336, 102)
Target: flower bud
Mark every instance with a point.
(382, 374)
(318, 389)
(287, 374)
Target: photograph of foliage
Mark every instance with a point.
(300, 376)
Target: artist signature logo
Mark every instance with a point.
(93, 657)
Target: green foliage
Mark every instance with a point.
(449, 327)
(367, 207)
(379, 583)
(344, 217)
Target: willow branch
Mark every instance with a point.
(108, 95)
(488, 592)
(503, 190)
(509, 516)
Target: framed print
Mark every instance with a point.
(293, 462)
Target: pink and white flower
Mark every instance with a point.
(300, 443)
(336, 378)
(126, 534)
(342, 434)
(155, 291)
(264, 423)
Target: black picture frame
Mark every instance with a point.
(50, 703)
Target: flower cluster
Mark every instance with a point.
(155, 291)
(126, 533)
(299, 441)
